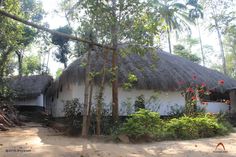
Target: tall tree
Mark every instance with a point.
(63, 45)
(11, 32)
(28, 36)
(230, 47)
(181, 51)
(174, 15)
(219, 15)
(32, 10)
(9, 35)
(119, 22)
(195, 14)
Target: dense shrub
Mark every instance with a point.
(195, 127)
(148, 124)
(141, 124)
(73, 112)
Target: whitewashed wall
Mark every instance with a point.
(215, 107)
(163, 102)
(38, 101)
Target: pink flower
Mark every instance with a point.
(221, 82)
(203, 85)
(190, 90)
(201, 91)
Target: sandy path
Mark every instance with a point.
(33, 140)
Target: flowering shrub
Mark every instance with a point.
(195, 92)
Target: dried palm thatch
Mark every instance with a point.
(29, 86)
(155, 70)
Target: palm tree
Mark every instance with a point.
(195, 13)
(174, 15)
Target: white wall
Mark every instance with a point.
(161, 104)
(215, 107)
(38, 101)
(57, 106)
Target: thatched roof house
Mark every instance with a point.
(158, 71)
(30, 90)
(155, 71)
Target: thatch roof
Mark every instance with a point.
(30, 86)
(155, 70)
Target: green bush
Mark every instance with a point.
(146, 124)
(141, 124)
(73, 112)
(195, 127)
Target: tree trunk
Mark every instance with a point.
(90, 105)
(200, 41)
(86, 94)
(65, 65)
(20, 58)
(114, 33)
(100, 94)
(16, 18)
(169, 40)
(221, 47)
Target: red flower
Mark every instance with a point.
(190, 90)
(201, 91)
(221, 82)
(194, 98)
(203, 85)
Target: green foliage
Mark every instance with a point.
(187, 127)
(230, 47)
(141, 124)
(59, 72)
(32, 9)
(72, 109)
(181, 51)
(132, 79)
(10, 33)
(139, 103)
(63, 44)
(147, 124)
(31, 65)
(179, 111)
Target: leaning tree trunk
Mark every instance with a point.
(86, 94)
(200, 41)
(114, 33)
(16, 18)
(221, 46)
(100, 94)
(169, 40)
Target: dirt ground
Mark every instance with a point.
(34, 140)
